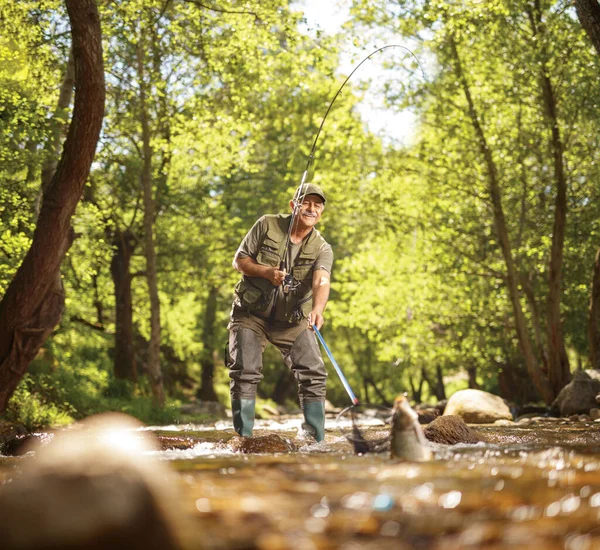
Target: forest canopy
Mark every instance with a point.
(464, 257)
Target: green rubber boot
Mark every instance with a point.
(243, 416)
(314, 414)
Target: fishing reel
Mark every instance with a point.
(289, 284)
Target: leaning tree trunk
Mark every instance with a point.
(207, 388)
(588, 12)
(33, 303)
(539, 379)
(125, 366)
(154, 370)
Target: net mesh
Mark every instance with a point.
(366, 427)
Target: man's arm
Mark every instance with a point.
(320, 288)
(248, 266)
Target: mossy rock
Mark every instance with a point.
(271, 443)
(11, 434)
(450, 430)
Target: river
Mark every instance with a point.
(529, 486)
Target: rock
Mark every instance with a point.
(594, 414)
(93, 486)
(579, 395)
(574, 418)
(210, 408)
(597, 399)
(504, 422)
(271, 411)
(450, 430)
(10, 434)
(271, 443)
(477, 407)
(427, 415)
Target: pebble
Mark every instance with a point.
(595, 414)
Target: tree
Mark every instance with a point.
(33, 304)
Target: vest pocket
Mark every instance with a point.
(267, 256)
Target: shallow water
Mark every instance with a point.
(533, 486)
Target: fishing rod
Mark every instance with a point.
(301, 191)
(347, 387)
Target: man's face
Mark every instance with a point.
(310, 210)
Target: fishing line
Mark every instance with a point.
(301, 191)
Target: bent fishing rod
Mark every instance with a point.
(301, 191)
(299, 198)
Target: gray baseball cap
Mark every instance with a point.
(310, 189)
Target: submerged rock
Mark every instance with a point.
(92, 487)
(477, 407)
(407, 439)
(450, 430)
(270, 443)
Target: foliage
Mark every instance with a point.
(235, 97)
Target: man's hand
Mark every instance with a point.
(276, 276)
(315, 318)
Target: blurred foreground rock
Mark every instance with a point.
(477, 407)
(92, 487)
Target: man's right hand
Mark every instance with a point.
(276, 276)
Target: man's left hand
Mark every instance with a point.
(315, 318)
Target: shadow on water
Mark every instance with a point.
(527, 487)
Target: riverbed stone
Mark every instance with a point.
(579, 395)
(93, 486)
(594, 414)
(11, 433)
(477, 407)
(450, 430)
(270, 443)
(210, 408)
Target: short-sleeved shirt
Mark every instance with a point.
(250, 246)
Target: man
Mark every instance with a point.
(281, 295)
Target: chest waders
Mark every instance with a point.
(265, 313)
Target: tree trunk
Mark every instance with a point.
(537, 376)
(472, 372)
(154, 370)
(559, 373)
(594, 316)
(207, 388)
(124, 360)
(33, 303)
(588, 12)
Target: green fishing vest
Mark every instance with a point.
(256, 293)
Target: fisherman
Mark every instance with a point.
(285, 265)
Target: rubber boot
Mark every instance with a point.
(314, 414)
(243, 416)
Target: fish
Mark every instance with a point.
(408, 441)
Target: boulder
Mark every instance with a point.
(93, 486)
(477, 407)
(450, 430)
(579, 395)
